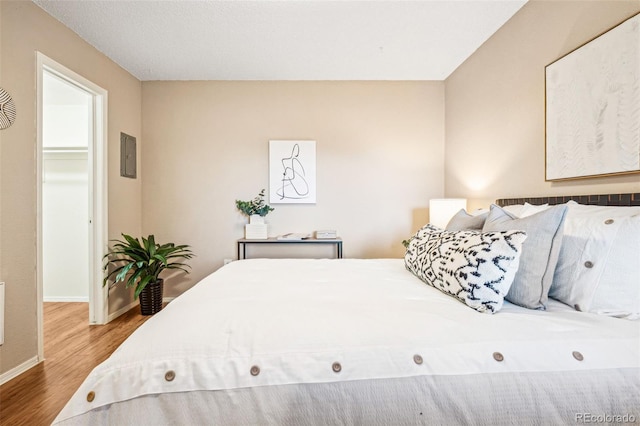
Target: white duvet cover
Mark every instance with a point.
(350, 341)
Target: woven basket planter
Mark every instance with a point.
(151, 298)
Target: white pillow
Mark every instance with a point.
(531, 209)
(479, 212)
(514, 209)
(526, 209)
(475, 268)
(599, 260)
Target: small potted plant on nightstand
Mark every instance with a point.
(256, 209)
(139, 264)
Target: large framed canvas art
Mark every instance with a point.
(593, 107)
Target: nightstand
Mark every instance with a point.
(243, 242)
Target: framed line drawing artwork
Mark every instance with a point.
(292, 172)
(592, 115)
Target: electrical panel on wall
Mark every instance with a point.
(127, 156)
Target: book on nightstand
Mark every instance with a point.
(293, 236)
(327, 234)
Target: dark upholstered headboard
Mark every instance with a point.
(599, 200)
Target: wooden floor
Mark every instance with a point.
(72, 348)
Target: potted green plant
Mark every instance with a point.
(256, 209)
(139, 265)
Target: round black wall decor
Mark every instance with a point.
(7, 109)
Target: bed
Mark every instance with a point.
(366, 341)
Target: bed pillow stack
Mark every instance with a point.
(582, 255)
(474, 267)
(543, 226)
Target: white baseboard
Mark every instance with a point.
(167, 299)
(121, 311)
(65, 299)
(18, 370)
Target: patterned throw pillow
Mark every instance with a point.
(475, 268)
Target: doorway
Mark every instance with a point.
(67, 131)
(72, 217)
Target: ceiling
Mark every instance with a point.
(285, 40)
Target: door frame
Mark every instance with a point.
(98, 213)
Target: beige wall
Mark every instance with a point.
(380, 146)
(379, 160)
(495, 104)
(25, 29)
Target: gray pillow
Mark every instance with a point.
(463, 221)
(540, 252)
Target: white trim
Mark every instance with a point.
(18, 370)
(98, 218)
(39, 177)
(167, 299)
(2, 302)
(65, 299)
(122, 311)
